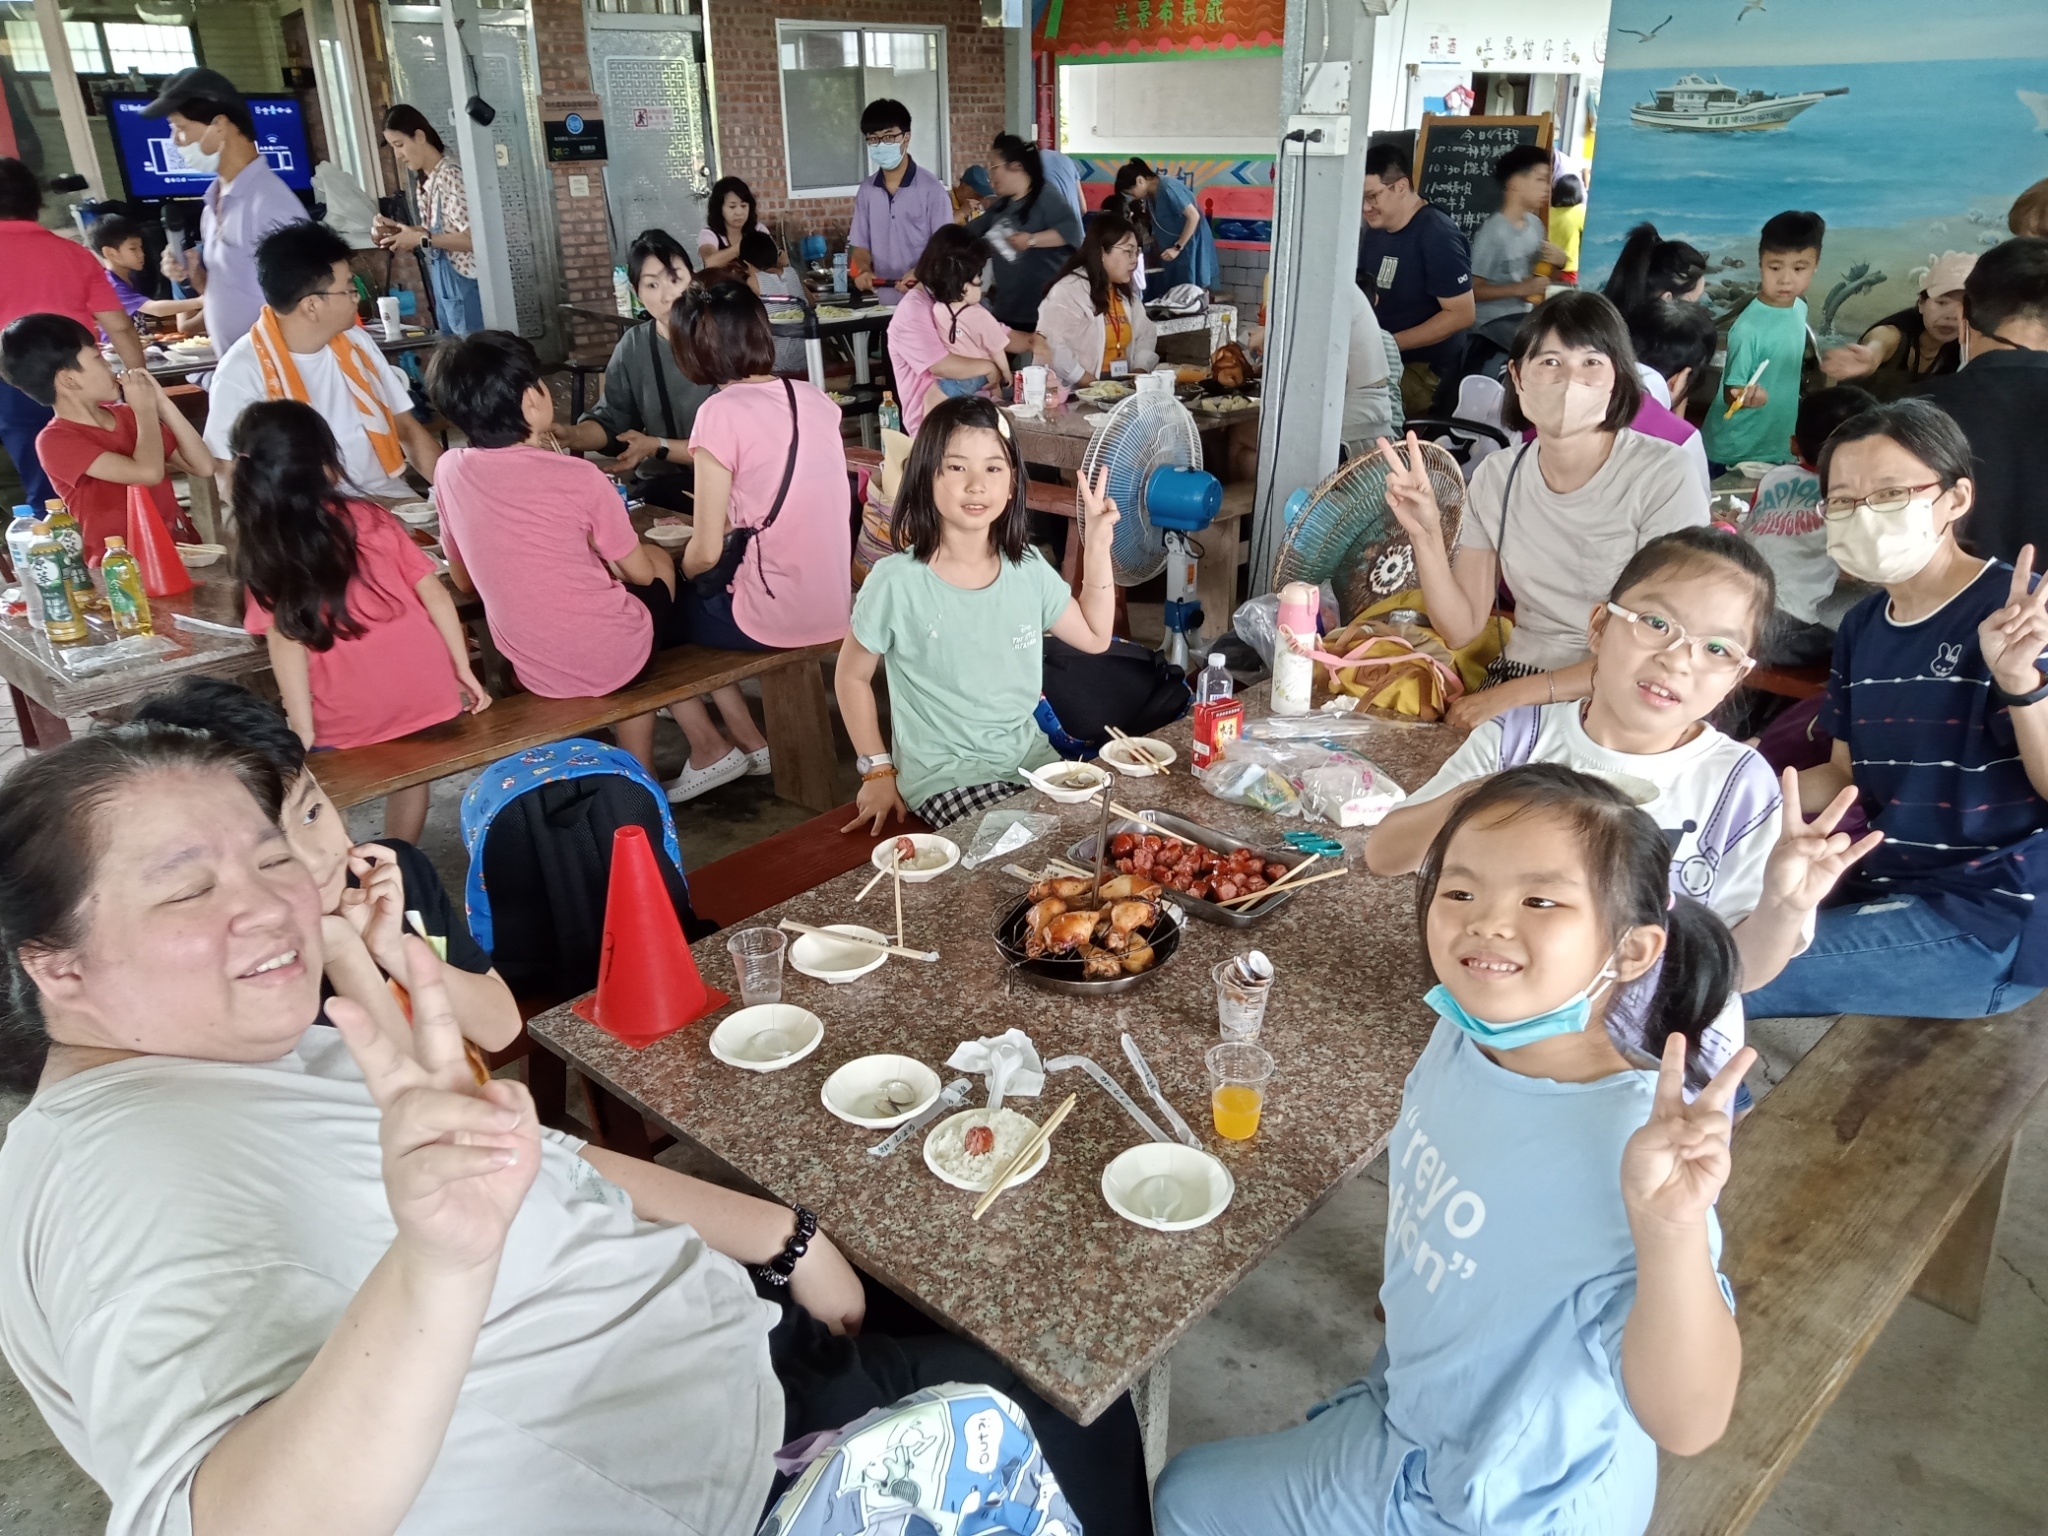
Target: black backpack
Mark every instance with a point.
(545, 862)
(1128, 686)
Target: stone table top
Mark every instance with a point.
(1079, 1301)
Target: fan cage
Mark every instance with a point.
(1347, 534)
(1143, 433)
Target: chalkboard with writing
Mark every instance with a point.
(1454, 161)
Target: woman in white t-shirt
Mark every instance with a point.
(262, 1276)
(1556, 518)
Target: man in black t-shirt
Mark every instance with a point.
(2000, 399)
(366, 889)
(1416, 267)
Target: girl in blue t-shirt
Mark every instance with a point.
(1936, 706)
(1550, 1322)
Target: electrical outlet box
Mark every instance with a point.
(1335, 134)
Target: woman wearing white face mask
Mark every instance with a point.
(1936, 705)
(1558, 517)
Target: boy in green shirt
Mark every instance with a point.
(1755, 421)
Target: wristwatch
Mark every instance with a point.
(2018, 700)
(778, 1269)
(662, 452)
(866, 765)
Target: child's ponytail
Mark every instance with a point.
(1701, 971)
(296, 548)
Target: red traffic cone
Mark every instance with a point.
(163, 573)
(647, 981)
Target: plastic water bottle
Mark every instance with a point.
(891, 416)
(21, 538)
(1215, 682)
(841, 261)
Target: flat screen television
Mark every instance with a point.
(151, 167)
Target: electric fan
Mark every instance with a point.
(1153, 454)
(1343, 531)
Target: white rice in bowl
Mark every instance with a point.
(947, 1146)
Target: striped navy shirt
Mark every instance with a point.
(1934, 754)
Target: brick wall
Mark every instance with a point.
(1242, 272)
(562, 48)
(747, 95)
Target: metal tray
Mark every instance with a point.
(1064, 976)
(1083, 854)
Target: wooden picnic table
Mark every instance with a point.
(1082, 1303)
(412, 341)
(46, 688)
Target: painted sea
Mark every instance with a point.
(1918, 158)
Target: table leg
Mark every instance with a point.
(205, 507)
(798, 724)
(814, 361)
(40, 730)
(1151, 1395)
(1216, 574)
(1954, 1278)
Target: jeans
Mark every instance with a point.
(20, 420)
(1894, 956)
(458, 303)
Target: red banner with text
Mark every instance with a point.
(1081, 31)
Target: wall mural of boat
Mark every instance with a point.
(1697, 104)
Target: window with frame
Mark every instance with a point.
(153, 48)
(25, 45)
(830, 73)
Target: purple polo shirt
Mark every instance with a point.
(894, 229)
(236, 216)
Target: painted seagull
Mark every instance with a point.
(1644, 37)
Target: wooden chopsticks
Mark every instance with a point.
(1025, 1154)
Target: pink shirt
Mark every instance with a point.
(914, 346)
(795, 586)
(397, 676)
(534, 530)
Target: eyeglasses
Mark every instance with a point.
(1128, 248)
(887, 136)
(334, 293)
(1711, 653)
(1888, 502)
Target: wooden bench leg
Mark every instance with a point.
(40, 730)
(798, 724)
(1954, 1278)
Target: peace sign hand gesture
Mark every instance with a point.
(1410, 497)
(458, 1158)
(1811, 855)
(1673, 1167)
(1099, 513)
(2013, 638)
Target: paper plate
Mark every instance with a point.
(1048, 781)
(853, 1093)
(767, 1037)
(1167, 1186)
(926, 842)
(834, 960)
(968, 1117)
(416, 513)
(1127, 756)
(669, 535)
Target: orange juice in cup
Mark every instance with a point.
(1238, 1074)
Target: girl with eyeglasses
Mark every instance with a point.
(1094, 316)
(1677, 635)
(1936, 704)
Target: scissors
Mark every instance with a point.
(1313, 842)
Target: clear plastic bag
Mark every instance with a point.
(1256, 622)
(1320, 779)
(1003, 832)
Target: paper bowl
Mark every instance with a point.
(1127, 756)
(853, 1093)
(767, 1037)
(964, 1119)
(1754, 469)
(195, 556)
(834, 960)
(668, 535)
(416, 514)
(1049, 781)
(927, 842)
(1167, 1187)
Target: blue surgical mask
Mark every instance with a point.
(885, 157)
(1569, 1017)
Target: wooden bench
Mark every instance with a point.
(1789, 682)
(1874, 1170)
(797, 722)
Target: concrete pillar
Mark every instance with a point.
(479, 157)
(1018, 93)
(1315, 252)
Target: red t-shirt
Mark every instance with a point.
(47, 274)
(68, 449)
(397, 676)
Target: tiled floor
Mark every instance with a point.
(1939, 1431)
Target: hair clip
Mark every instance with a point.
(1671, 901)
(1002, 424)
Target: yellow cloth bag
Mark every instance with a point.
(1477, 654)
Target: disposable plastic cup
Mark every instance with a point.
(757, 959)
(1238, 1075)
(1240, 1002)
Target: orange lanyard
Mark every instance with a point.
(1116, 331)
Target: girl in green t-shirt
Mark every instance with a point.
(962, 615)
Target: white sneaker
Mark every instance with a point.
(758, 765)
(692, 782)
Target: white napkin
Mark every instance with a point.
(1010, 1061)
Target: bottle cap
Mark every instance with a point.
(23, 509)
(115, 541)
(1215, 658)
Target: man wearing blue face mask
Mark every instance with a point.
(213, 132)
(897, 209)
